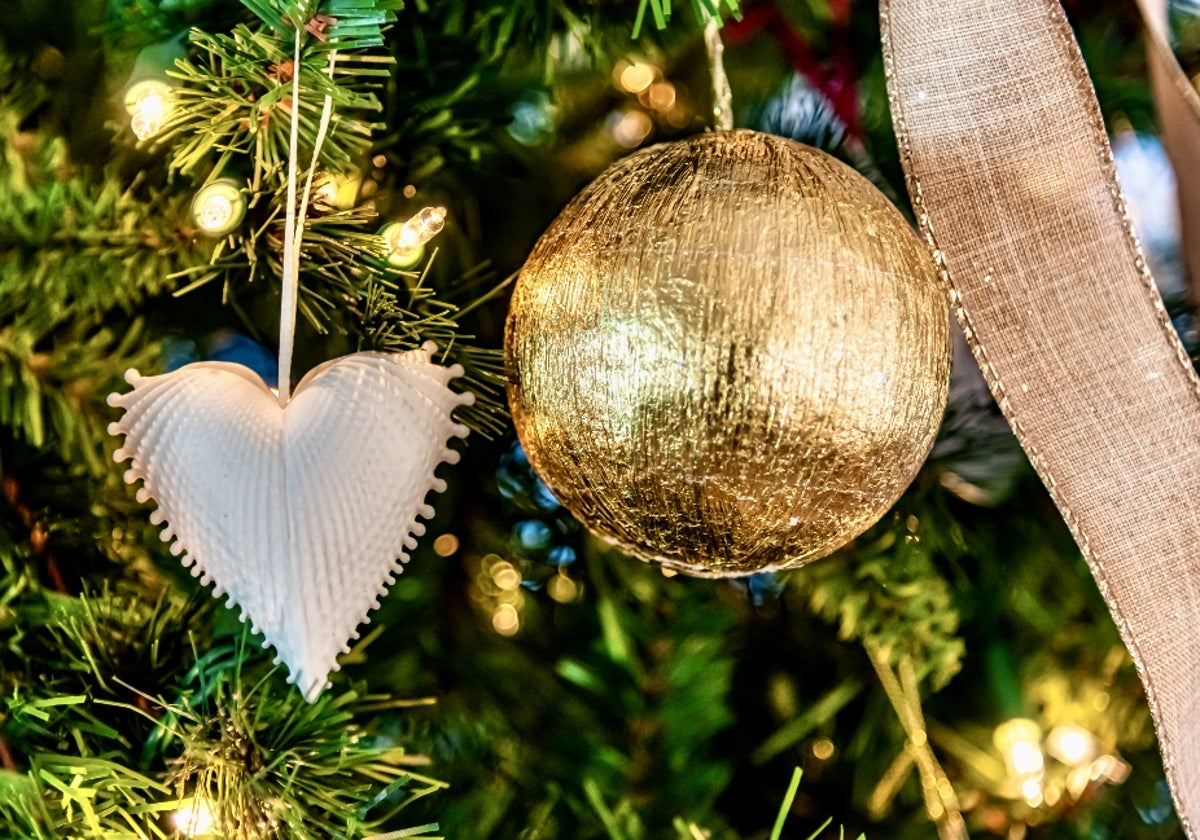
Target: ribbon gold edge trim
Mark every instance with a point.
(995, 383)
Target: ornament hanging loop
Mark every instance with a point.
(294, 223)
(722, 95)
(291, 248)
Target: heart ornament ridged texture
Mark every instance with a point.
(301, 513)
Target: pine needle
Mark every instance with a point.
(786, 806)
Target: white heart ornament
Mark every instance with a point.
(300, 513)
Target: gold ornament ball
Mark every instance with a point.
(728, 354)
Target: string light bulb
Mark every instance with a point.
(1071, 744)
(338, 190)
(195, 818)
(562, 588)
(148, 102)
(1020, 742)
(406, 240)
(219, 207)
(506, 620)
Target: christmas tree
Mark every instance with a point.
(952, 671)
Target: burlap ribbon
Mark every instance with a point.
(1012, 179)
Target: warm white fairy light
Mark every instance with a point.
(339, 190)
(630, 128)
(1020, 742)
(1027, 758)
(195, 819)
(445, 545)
(1071, 744)
(219, 207)
(505, 576)
(634, 76)
(1031, 791)
(326, 190)
(406, 240)
(215, 212)
(506, 620)
(823, 749)
(1109, 768)
(562, 588)
(148, 103)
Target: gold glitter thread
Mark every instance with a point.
(722, 93)
(1012, 179)
(728, 354)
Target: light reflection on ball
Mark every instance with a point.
(728, 354)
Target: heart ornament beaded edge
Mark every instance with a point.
(301, 514)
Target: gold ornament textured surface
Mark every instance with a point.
(728, 354)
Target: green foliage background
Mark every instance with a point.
(632, 705)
